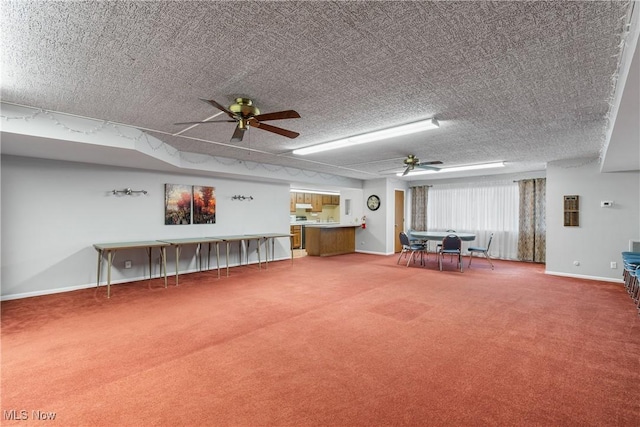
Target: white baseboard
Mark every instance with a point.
(50, 291)
(115, 282)
(582, 276)
(372, 252)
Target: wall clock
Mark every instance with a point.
(373, 202)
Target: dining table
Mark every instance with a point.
(439, 235)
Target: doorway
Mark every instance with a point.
(398, 220)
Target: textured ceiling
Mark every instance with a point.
(523, 82)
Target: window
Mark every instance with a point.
(482, 208)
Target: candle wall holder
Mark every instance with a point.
(242, 198)
(129, 191)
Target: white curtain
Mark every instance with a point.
(480, 208)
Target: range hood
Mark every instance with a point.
(304, 206)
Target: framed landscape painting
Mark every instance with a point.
(204, 205)
(177, 204)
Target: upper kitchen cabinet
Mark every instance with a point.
(316, 203)
(315, 200)
(330, 199)
(292, 202)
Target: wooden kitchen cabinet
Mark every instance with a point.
(315, 200)
(292, 202)
(330, 240)
(296, 230)
(316, 203)
(330, 199)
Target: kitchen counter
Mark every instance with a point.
(312, 222)
(330, 225)
(325, 239)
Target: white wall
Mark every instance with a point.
(354, 216)
(603, 232)
(379, 236)
(54, 211)
(373, 238)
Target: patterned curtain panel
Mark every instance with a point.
(532, 236)
(419, 207)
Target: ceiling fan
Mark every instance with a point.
(413, 162)
(246, 114)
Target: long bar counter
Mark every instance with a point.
(330, 239)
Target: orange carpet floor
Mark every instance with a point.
(353, 340)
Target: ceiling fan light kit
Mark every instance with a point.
(457, 168)
(407, 129)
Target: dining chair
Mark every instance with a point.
(439, 245)
(418, 241)
(451, 245)
(410, 248)
(479, 250)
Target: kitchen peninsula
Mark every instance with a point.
(330, 239)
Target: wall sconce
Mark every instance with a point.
(238, 197)
(129, 191)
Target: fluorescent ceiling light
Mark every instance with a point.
(370, 137)
(457, 168)
(298, 190)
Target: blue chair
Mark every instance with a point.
(451, 245)
(479, 250)
(631, 271)
(630, 261)
(439, 245)
(418, 241)
(411, 248)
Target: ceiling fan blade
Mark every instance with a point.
(269, 128)
(279, 115)
(209, 121)
(427, 167)
(219, 107)
(406, 171)
(435, 162)
(238, 134)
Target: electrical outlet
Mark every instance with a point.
(614, 264)
(127, 264)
